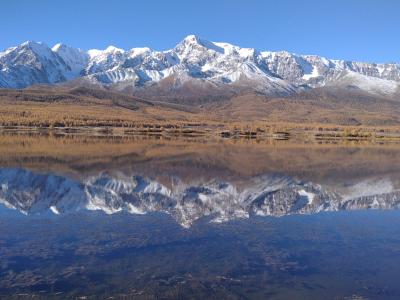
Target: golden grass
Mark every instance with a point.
(154, 120)
(70, 115)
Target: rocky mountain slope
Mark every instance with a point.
(194, 66)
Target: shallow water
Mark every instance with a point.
(190, 218)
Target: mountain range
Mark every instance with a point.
(194, 67)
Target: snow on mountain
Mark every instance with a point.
(196, 60)
(75, 59)
(31, 63)
(373, 85)
(316, 71)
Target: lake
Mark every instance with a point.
(149, 217)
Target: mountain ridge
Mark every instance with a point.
(201, 65)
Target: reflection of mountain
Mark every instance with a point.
(34, 193)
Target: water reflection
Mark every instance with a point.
(150, 218)
(267, 195)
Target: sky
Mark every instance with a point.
(363, 30)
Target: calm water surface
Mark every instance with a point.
(156, 218)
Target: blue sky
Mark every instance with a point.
(367, 30)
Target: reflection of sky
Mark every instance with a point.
(322, 255)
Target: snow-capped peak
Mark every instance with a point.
(32, 43)
(38, 48)
(139, 51)
(195, 41)
(191, 38)
(113, 49)
(76, 59)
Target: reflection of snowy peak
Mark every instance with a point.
(33, 193)
(194, 61)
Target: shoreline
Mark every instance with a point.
(220, 132)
